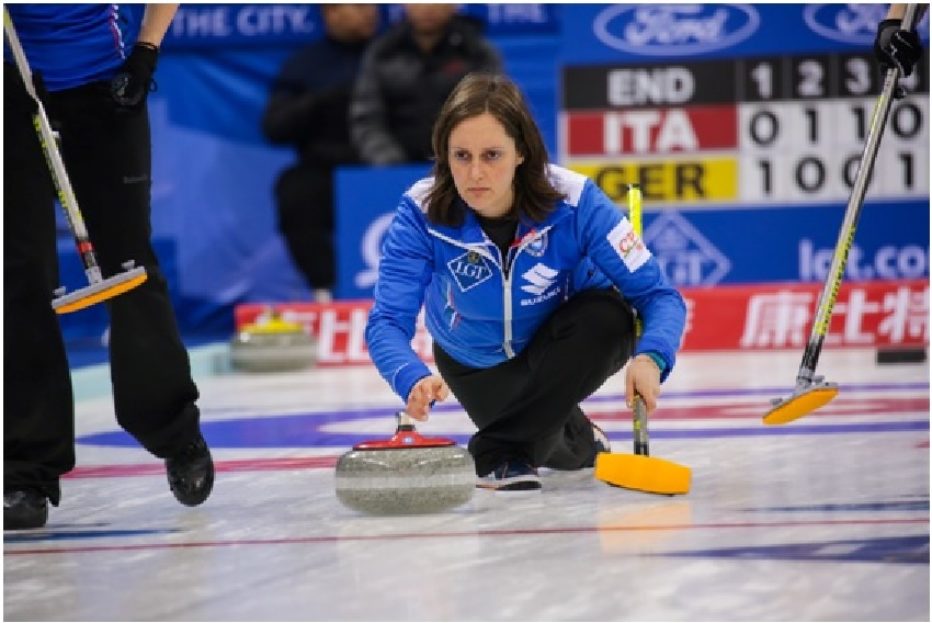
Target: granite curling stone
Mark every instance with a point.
(273, 344)
(405, 475)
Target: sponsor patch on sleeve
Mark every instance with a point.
(628, 245)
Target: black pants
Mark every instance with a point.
(107, 154)
(304, 198)
(528, 406)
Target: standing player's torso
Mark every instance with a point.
(74, 44)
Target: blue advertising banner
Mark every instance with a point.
(613, 32)
(791, 244)
(208, 25)
(505, 19)
(251, 25)
(366, 200)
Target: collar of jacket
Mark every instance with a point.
(470, 232)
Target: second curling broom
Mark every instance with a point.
(811, 391)
(98, 288)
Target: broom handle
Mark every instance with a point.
(405, 421)
(56, 165)
(836, 271)
(640, 427)
(641, 440)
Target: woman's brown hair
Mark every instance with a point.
(478, 93)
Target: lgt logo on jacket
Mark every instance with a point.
(469, 270)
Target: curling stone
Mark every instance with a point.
(272, 344)
(405, 475)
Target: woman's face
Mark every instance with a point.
(483, 159)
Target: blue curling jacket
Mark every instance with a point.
(483, 309)
(75, 44)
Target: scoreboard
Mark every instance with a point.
(760, 130)
(744, 125)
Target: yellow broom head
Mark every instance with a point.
(642, 473)
(98, 292)
(800, 404)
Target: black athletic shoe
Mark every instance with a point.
(514, 475)
(602, 443)
(191, 472)
(24, 509)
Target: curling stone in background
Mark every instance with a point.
(272, 344)
(405, 475)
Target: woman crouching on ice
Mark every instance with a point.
(528, 272)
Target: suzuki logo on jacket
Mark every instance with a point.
(540, 277)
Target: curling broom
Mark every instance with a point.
(98, 289)
(640, 471)
(813, 392)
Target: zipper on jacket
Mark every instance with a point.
(504, 265)
(507, 263)
(507, 280)
(507, 307)
(508, 260)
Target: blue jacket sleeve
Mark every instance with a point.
(405, 270)
(608, 238)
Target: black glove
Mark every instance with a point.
(132, 84)
(895, 47)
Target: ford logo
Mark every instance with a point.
(675, 29)
(848, 23)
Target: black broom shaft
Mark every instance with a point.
(641, 441)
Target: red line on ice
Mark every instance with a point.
(467, 534)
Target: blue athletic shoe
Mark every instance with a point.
(513, 475)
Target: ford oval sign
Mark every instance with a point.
(848, 23)
(675, 29)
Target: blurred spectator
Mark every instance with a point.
(308, 109)
(406, 76)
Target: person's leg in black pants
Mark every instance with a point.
(528, 407)
(38, 405)
(304, 199)
(107, 153)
